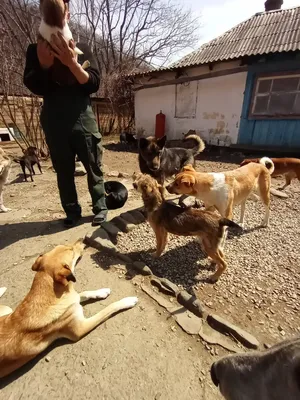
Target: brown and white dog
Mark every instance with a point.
(5, 164)
(289, 167)
(51, 310)
(224, 190)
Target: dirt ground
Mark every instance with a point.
(137, 355)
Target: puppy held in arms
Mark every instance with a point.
(165, 217)
(55, 16)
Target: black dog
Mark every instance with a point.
(116, 195)
(128, 138)
(28, 160)
(160, 162)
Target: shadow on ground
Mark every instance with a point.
(13, 232)
(28, 366)
(121, 147)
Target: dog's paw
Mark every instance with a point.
(101, 293)
(128, 302)
(212, 279)
(4, 209)
(2, 291)
(242, 225)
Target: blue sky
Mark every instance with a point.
(217, 16)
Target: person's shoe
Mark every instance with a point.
(100, 218)
(71, 221)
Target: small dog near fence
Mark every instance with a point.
(28, 160)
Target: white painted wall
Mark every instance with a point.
(218, 108)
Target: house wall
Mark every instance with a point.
(281, 133)
(210, 106)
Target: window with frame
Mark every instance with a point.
(276, 97)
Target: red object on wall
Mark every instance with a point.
(160, 125)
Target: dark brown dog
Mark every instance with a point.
(166, 217)
(28, 160)
(161, 163)
(289, 167)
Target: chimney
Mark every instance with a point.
(271, 5)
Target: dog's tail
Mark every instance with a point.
(229, 223)
(268, 163)
(200, 144)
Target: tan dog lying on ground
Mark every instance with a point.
(273, 374)
(166, 217)
(51, 310)
(289, 167)
(224, 190)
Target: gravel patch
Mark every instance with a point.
(260, 290)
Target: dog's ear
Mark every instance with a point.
(64, 275)
(37, 264)
(143, 143)
(161, 142)
(188, 167)
(188, 180)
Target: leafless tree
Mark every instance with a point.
(131, 35)
(125, 35)
(19, 109)
(143, 31)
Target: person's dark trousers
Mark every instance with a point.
(64, 146)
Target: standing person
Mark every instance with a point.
(68, 120)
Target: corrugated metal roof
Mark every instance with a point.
(266, 32)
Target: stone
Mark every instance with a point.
(111, 229)
(114, 174)
(191, 303)
(187, 321)
(123, 175)
(124, 258)
(129, 218)
(122, 224)
(190, 201)
(224, 326)
(47, 359)
(278, 193)
(138, 216)
(211, 336)
(100, 240)
(157, 297)
(166, 285)
(141, 267)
